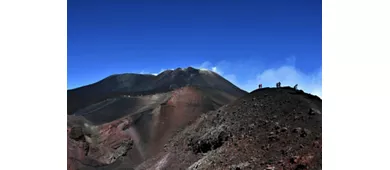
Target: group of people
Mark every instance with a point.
(278, 85)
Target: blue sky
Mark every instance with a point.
(248, 42)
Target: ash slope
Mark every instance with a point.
(267, 129)
(139, 84)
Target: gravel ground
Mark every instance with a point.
(268, 129)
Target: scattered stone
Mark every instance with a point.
(277, 126)
(305, 132)
(210, 141)
(265, 147)
(297, 130)
(284, 152)
(301, 167)
(273, 137)
(252, 126)
(313, 111)
(240, 166)
(269, 167)
(284, 129)
(76, 133)
(316, 144)
(294, 159)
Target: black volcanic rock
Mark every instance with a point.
(76, 133)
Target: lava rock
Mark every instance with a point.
(269, 167)
(294, 159)
(277, 126)
(305, 132)
(313, 111)
(301, 167)
(76, 133)
(297, 130)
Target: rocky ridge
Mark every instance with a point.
(268, 129)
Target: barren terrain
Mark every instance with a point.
(191, 119)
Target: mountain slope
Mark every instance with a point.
(125, 119)
(267, 129)
(139, 84)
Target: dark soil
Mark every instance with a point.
(268, 129)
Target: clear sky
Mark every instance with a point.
(246, 41)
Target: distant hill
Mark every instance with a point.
(141, 84)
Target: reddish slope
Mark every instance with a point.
(147, 128)
(185, 105)
(90, 146)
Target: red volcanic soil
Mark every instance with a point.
(89, 147)
(140, 134)
(185, 105)
(272, 129)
